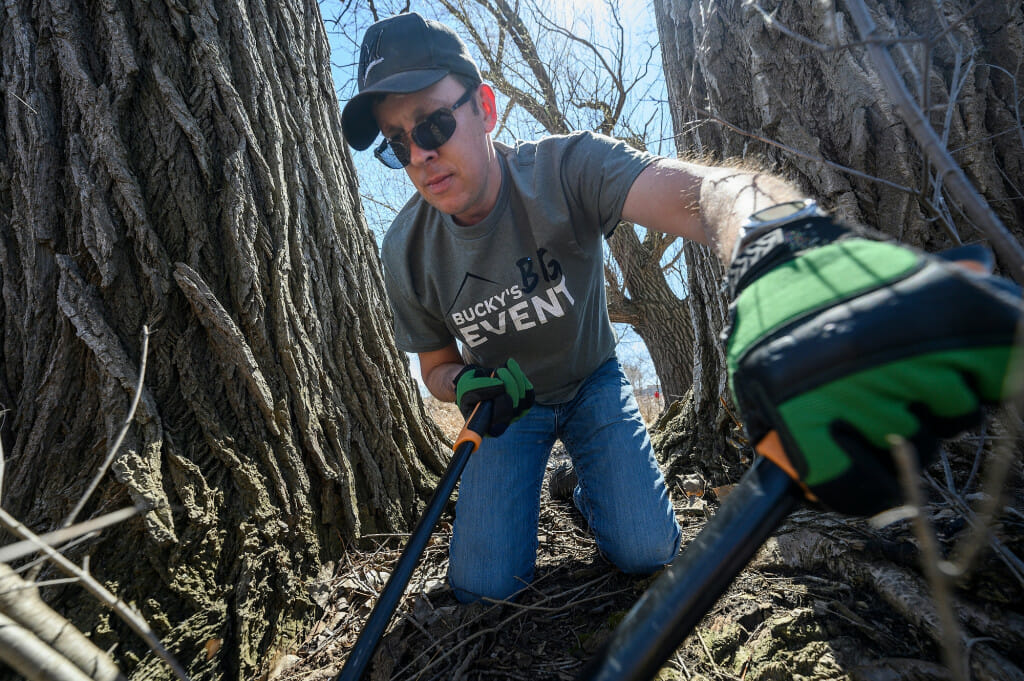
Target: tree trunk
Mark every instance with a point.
(646, 302)
(699, 431)
(183, 168)
(724, 65)
(738, 89)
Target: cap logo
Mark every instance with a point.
(370, 57)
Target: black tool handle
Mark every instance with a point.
(678, 599)
(467, 442)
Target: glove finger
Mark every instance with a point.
(502, 413)
(941, 426)
(510, 386)
(514, 367)
(527, 401)
(480, 393)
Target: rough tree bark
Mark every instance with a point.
(645, 300)
(724, 62)
(181, 165)
(734, 82)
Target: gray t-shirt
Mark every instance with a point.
(526, 282)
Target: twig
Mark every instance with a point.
(120, 436)
(25, 586)
(27, 567)
(127, 614)
(20, 601)
(977, 459)
(23, 650)
(910, 475)
(947, 469)
(711, 658)
(1016, 101)
(979, 522)
(11, 92)
(959, 186)
(810, 157)
(999, 466)
(518, 610)
(3, 419)
(771, 22)
(470, 656)
(13, 552)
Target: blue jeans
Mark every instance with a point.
(621, 490)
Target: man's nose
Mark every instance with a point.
(418, 155)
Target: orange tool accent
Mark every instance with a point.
(468, 434)
(770, 447)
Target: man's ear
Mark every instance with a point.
(488, 106)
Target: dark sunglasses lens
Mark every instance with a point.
(393, 154)
(435, 130)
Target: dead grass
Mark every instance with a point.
(791, 613)
(446, 415)
(548, 633)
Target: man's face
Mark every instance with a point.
(462, 176)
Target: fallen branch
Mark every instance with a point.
(127, 614)
(32, 658)
(19, 601)
(818, 544)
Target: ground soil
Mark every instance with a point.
(826, 598)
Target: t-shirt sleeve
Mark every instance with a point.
(597, 173)
(416, 328)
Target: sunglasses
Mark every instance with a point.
(430, 133)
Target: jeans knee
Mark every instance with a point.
(485, 586)
(644, 558)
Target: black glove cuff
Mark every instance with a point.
(780, 245)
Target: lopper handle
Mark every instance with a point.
(467, 443)
(475, 427)
(678, 599)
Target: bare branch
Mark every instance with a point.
(803, 154)
(120, 436)
(771, 22)
(3, 420)
(959, 186)
(13, 552)
(910, 477)
(19, 600)
(33, 658)
(126, 613)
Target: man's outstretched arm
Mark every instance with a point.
(704, 203)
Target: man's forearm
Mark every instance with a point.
(728, 198)
(441, 381)
(703, 203)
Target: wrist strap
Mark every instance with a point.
(780, 245)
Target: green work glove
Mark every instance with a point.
(507, 388)
(838, 340)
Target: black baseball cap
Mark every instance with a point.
(401, 54)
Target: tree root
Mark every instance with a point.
(812, 542)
